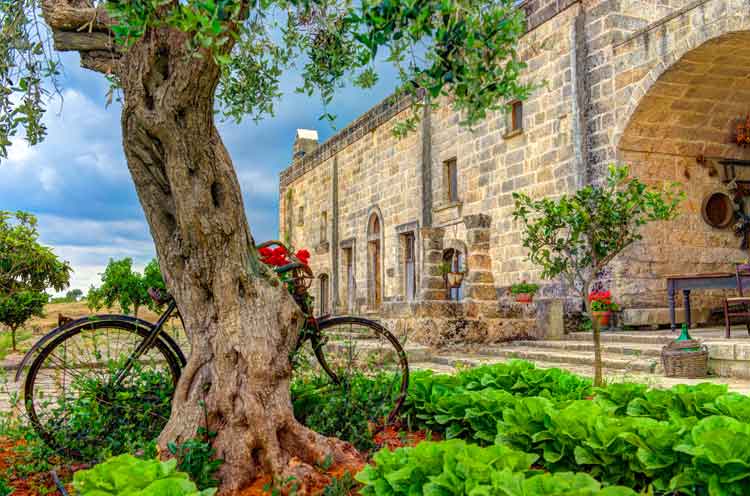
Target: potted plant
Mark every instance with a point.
(453, 278)
(524, 292)
(602, 307)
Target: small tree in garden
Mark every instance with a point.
(27, 269)
(576, 237)
(18, 308)
(126, 287)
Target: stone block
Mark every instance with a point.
(660, 316)
(721, 350)
(478, 261)
(481, 292)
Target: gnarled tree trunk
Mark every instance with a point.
(242, 324)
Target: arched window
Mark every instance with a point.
(455, 258)
(374, 262)
(323, 300)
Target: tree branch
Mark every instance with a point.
(68, 41)
(78, 26)
(60, 15)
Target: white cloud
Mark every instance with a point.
(259, 182)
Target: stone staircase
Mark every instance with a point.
(634, 355)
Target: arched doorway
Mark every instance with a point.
(681, 131)
(374, 261)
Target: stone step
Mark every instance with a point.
(609, 360)
(645, 337)
(621, 348)
(652, 380)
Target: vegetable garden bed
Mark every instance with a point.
(514, 430)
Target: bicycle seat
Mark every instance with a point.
(159, 297)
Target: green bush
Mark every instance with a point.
(126, 475)
(108, 420)
(345, 411)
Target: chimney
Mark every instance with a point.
(305, 142)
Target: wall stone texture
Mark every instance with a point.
(658, 85)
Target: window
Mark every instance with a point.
(301, 216)
(514, 122)
(450, 180)
(348, 255)
(289, 216)
(410, 283)
(324, 292)
(374, 261)
(324, 227)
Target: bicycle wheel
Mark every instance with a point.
(74, 402)
(353, 349)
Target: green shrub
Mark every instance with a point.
(197, 457)
(104, 420)
(5, 488)
(345, 411)
(524, 288)
(126, 475)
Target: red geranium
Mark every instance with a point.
(278, 257)
(602, 301)
(303, 256)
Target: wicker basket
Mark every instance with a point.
(680, 363)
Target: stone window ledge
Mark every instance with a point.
(447, 206)
(513, 134)
(322, 248)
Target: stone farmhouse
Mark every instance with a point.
(660, 85)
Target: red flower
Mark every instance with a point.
(265, 252)
(303, 256)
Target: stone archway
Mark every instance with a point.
(689, 111)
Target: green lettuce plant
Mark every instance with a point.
(455, 468)
(126, 475)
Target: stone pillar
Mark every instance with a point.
(479, 283)
(431, 284)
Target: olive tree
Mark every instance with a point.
(27, 270)
(126, 287)
(575, 237)
(176, 64)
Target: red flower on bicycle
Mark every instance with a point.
(278, 257)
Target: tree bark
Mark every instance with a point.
(13, 338)
(241, 323)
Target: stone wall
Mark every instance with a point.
(652, 84)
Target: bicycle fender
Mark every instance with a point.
(59, 330)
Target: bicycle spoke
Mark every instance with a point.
(73, 401)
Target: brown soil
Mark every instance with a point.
(390, 437)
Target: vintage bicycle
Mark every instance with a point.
(107, 359)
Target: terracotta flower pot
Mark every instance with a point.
(524, 297)
(603, 318)
(454, 279)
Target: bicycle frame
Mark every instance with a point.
(146, 343)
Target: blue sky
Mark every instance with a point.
(78, 185)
